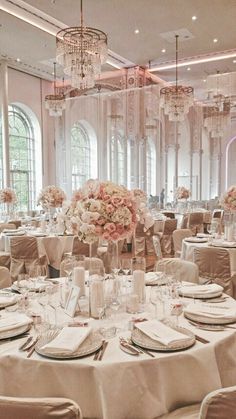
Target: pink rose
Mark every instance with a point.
(120, 228)
(110, 209)
(106, 197)
(117, 201)
(101, 221)
(110, 227)
(115, 235)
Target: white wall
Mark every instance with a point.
(30, 91)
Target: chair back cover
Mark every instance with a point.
(142, 241)
(169, 214)
(183, 270)
(38, 408)
(25, 255)
(9, 226)
(195, 222)
(5, 277)
(214, 265)
(219, 404)
(178, 236)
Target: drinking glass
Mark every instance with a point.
(176, 310)
(68, 265)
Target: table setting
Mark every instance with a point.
(147, 334)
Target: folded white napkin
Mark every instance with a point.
(207, 311)
(153, 277)
(13, 321)
(223, 244)
(200, 289)
(31, 285)
(160, 332)
(7, 299)
(10, 230)
(68, 340)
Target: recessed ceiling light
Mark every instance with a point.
(204, 80)
(163, 50)
(136, 31)
(215, 40)
(18, 60)
(194, 17)
(234, 61)
(188, 69)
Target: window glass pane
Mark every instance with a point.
(22, 157)
(80, 156)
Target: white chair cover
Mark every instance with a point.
(143, 243)
(9, 226)
(186, 412)
(38, 408)
(181, 269)
(219, 404)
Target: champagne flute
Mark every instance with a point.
(156, 298)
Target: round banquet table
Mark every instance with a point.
(124, 386)
(188, 251)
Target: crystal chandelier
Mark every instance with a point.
(217, 119)
(176, 100)
(81, 51)
(55, 103)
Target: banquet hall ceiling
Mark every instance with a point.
(119, 19)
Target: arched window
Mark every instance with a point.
(22, 157)
(118, 159)
(81, 157)
(151, 167)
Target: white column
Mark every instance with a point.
(5, 125)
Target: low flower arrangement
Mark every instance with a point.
(51, 197)
(102, 209)
(7, 196)
(182, 193)
(228, 200)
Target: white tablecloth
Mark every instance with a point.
(188, 249)
(123, 386)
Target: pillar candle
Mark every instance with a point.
(139, 285)
(79, 279)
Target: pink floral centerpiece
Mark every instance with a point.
(143, 213)
(228, 200)
(7, 196)
(182, 193)
(102, 209)
(51, 197)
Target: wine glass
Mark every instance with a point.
(176, 310)
(156, 298)
(68, 265)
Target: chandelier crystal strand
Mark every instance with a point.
(55, 103)
(176, 100)
(81, 51)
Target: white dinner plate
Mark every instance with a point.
(90, 345)
(14, 332)
(144, 341)
(196, 239)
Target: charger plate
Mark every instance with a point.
(90, 345)
(14, 332)
(144, 341)
(196, 239)
(202, 296)
(227, 245)
(209, 320)
(8, 303)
